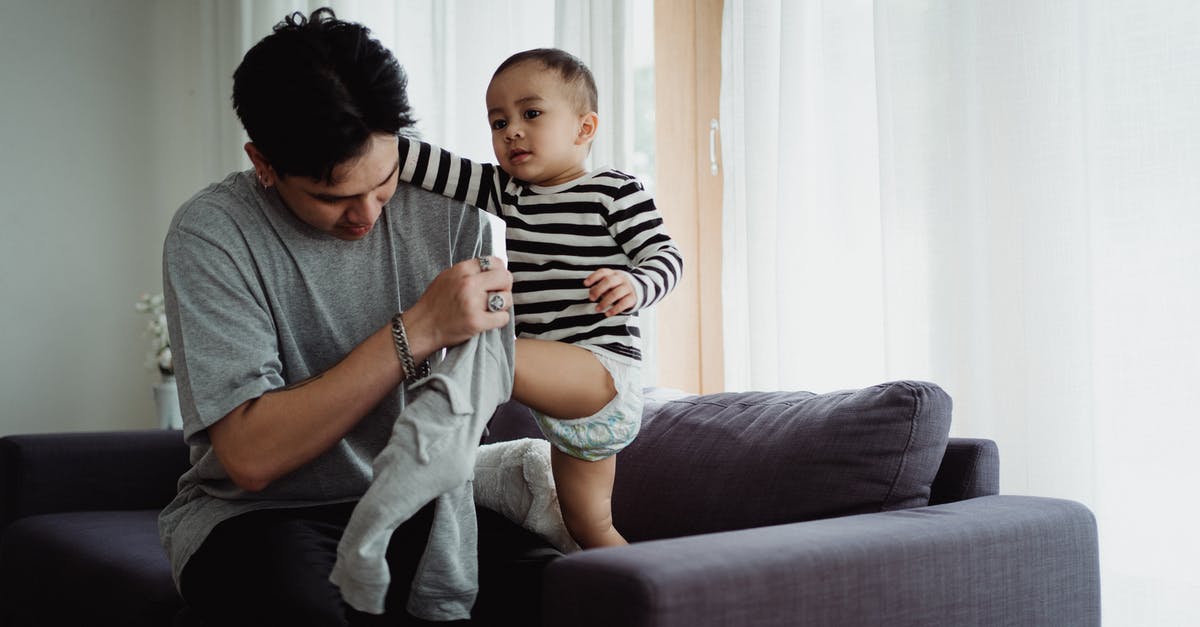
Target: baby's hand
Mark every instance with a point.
(612, 289)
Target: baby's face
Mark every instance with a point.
(537, 133)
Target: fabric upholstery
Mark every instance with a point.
(58, 472)
(970, 469)
(996, 560)
(736, 460)
(88, 568)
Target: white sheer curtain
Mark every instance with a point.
(999, 197)
(449, 49)
(599, 33)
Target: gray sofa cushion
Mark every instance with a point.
(746, 460)
(87, 568)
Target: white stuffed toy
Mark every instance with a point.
(514, 478)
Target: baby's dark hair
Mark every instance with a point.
(312, 92)
(572, 71)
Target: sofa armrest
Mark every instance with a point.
(970, 469)
(990, 560)
(111, 470)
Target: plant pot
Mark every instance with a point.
(166, 401)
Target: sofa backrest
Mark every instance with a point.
(736, 460)
(63, 472)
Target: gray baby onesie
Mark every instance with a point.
(431, 455)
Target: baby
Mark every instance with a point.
(587, 250)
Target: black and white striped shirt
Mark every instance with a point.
(556, 237)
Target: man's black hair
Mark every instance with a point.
(311, 93)
(572, 71)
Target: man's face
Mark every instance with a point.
(349, 208)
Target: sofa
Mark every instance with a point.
(755, 508)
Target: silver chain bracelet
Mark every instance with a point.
(400, 338)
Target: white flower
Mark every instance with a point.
(156, 328)
(164, 360)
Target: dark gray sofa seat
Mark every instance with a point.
(78, 527)
(95, 568)
(745, 509)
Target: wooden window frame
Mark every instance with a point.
(687, 58)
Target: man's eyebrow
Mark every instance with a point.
(331, 197)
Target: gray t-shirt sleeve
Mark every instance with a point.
(216, 307)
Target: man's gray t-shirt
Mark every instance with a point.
(258, 299)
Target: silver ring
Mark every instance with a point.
(495, 302)
(485, 263)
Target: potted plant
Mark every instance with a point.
(166, 395)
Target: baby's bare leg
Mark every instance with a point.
(585, 498)
(560, 380)
(566, 382)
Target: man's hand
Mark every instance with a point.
(454, 308)
(611, 290)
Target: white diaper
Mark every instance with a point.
(607, 431)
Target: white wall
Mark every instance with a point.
(88, 187)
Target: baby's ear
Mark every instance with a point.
(587, 128)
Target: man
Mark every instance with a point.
(305, 299)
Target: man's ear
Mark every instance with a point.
(263, 170)
(587, 128)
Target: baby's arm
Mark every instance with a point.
(656, 264)
(445, 173)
